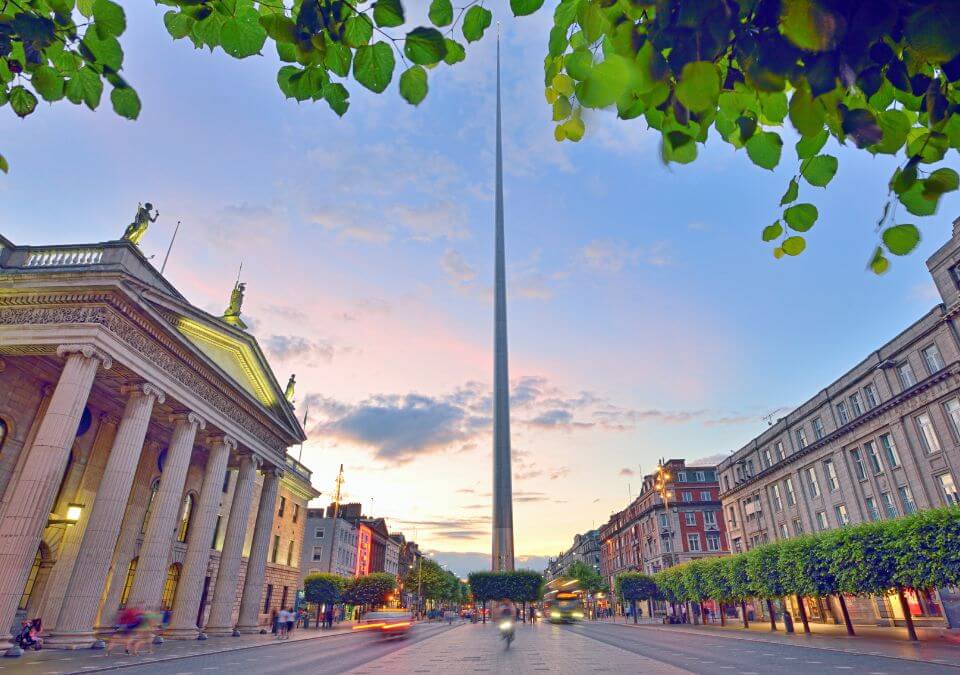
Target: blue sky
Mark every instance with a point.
(646, 317)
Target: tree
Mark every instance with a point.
(322, 588)
(738, 579)
(694, 579)
(370, 589)
(428, 578)
(588, 577)
(805, 569)
(881, 74)
(717, 584)
(633, 586)
(764, 571)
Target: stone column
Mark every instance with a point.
(220, 620)
(249, 621)
(74, 626)
(32, 497)
(165, 510)
(183, 624)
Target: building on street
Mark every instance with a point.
(143, 450)
(881, 441)
(585, 549)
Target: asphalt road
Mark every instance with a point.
(712, 654)
(333, 654)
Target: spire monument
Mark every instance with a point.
(502, 553)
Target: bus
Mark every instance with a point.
(563, 601)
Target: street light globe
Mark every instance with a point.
(74, 511)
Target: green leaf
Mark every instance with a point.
(561, 109)
(764, 149)
(895, 126)
(475, 21)
(337, 57)
(413, 84)
(308, 83)
(932, 30)
(558, 40)
(901, 239)
(793, 245)
(939, 182)
(108, 18)
(178, 24)
(771, 232)
(793, 191)
(606, 82)
(573, 129)
(525, 7)
(48, 83)
(455, 52)
(125, 102)
(810, 25)
(699, 86)
(774, 106)
(819, 170)
(388, 13)
(357, 31)
(373, 66)
(336, 95)
(929, 146)
(106, 52)
(279, 27)
(579, 64)
(424, 46)
(806, 114)
(243, 35)
(85, 7)
(22, 101)
(915, 202)
(808, 146)
(86, 87)
(441, 12)
(801, 217)
(4, 166)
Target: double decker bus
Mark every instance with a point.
(563, 601)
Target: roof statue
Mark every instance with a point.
(288, 392)
(232, 313)
(135, 230)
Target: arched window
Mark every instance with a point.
(154, 486)
(186, 514)
(31, 578)
(128, 582)
(170, 586)
(3, 433)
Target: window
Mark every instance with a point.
(952, 408)
(817, 428)
(700, 476)
(842, 413)
(870, 392)
(905, 375)
(693, 542)
(186, 515)
(726, 483)
(710, 518)
(928, 437)
(737, 545)
(170, 586)
(32, 576)
(822, 520)
(276, 548)
(318, 533)
(872, 511)
(226, 480)
(841, 512)
(791, 495)
(890, 451)
(888, 505)
(690, 517)
(801, 438)
(749, 468)
(733, 516)
(3, 432)
(858, 467)
(778, 451)
(713, 542)
(856, 406)
(290, 554)
(267, 599)
(933, 360)
(949, 489)
(766, 459)
(784, 532)
(813, 486)
(906, 498)
(154, 486)
(797, 527)
(128, 582)
(777, 499)
(682, 476)
(283, 596)
(831, 471)
(216, 531)
(687, 496)
(296, 512)
(874, 458)
(283, 507)
(663, 520)
(705, 496)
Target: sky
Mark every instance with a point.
(646, 317)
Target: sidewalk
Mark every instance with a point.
(936, 646)
(49, 661)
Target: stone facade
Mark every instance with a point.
(649, 535)
(585, 549)
(154, 421)
(880, 442)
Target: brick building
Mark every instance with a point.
(880, 442)
(649, 536)
(585, 549)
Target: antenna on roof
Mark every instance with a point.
(169, 248)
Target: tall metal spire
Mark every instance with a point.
(502, 554)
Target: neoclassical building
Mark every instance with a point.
(143, 452)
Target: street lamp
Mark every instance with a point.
(74, 511)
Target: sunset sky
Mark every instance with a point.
(646, 317)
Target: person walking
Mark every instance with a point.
(273, 621)
(281, 623)
(291, 621)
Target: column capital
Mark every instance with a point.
(145, 389)
(109, 418)
(250, 456)
(88, 351)
(273, 470)
(224, 439)
(190, 418)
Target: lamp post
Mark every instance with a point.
(74, 511)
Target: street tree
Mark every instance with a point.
(879, 75)
(322, 588)
(370, 589)
(804, 570)
(634, 586)
(765, 579)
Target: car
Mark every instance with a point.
(386, 624)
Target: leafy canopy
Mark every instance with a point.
(878, 75)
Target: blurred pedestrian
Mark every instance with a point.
(273, 621)
(282, 616)
(291, 621)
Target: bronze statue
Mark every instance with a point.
(141, 222)
(232, 313)
(291, 383)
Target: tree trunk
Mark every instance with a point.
(803, 615)
(689, 611)
(723, 614)
(911, 629)
(773, 616)
(649, 608)
(633, 610)
(524, 611)
(846, 614)
(787, 617)
(743, 614)
(483, 611)
(703, 615)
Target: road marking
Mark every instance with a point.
(814, 662)
(844, 667)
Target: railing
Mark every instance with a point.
(59, 257)
(298, 467)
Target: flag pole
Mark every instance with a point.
(170, 247)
